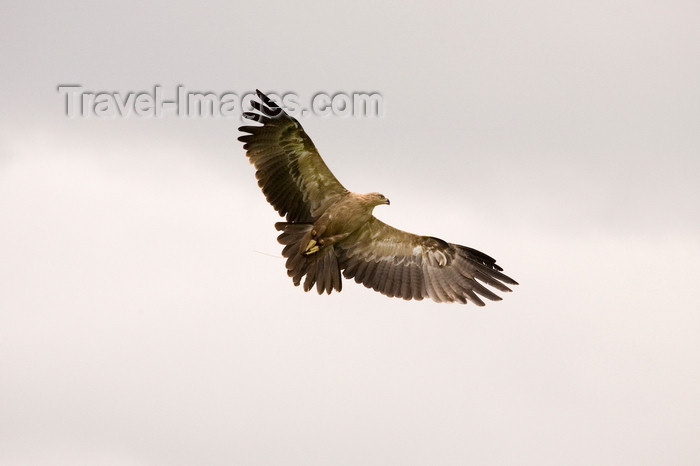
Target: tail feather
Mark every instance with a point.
(320, 268)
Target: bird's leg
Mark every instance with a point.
(332, 239)
(315, 245)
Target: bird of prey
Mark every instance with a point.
(331, 231)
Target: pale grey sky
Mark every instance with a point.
(143, 321)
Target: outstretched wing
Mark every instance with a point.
(401, 264)
(291, 173)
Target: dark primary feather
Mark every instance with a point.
(291, 173)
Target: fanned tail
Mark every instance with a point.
(320, 268)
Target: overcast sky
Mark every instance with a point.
(145, 314)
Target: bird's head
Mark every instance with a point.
(378, 199)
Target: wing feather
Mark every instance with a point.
(289, 169)
(397, 263)
(417, 285)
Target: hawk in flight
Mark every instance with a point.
(331, 231)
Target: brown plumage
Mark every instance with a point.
(330, 230)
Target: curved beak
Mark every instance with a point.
(388, 202)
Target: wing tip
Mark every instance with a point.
(266, 100)
(508, 280)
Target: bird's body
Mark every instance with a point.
(342, 218)
(331, 231)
